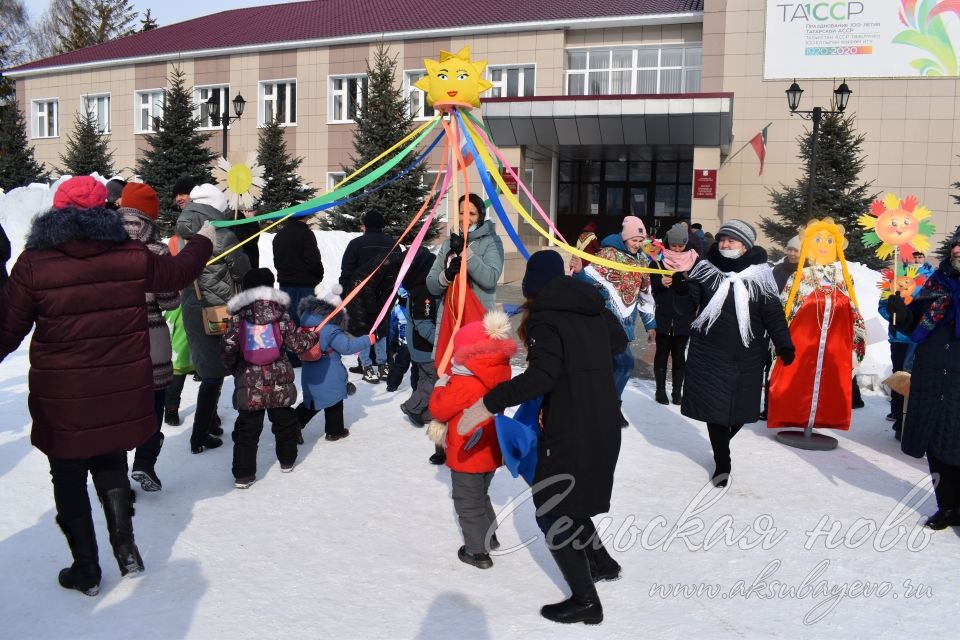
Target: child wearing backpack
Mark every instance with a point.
(323, 377)
(481, 361)
(253, 349)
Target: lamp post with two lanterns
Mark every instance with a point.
(213, 104)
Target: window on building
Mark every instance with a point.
(634, 70)
(334, 178)
(347, 94)
(46, 118)
(99, 106)
(278, 101)
(201, 109)
(148, 106)
(512, 81)
(417, 99)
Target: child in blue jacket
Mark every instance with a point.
(323, 376)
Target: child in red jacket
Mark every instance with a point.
(481, 360)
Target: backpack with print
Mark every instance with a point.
(260, 343)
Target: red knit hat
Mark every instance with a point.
(492, 335)
(82, 192)
(141, 197)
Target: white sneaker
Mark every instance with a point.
(286, 468)
(244, 483)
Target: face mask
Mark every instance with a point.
(730, 253)
(472, 228)
(955, 263)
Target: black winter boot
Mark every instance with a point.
(204, 419)
(118, 511)
(720, 441)
(84, 574)
(144, 463)
(660, 375)
(603, 568)
(171, 415)
(584, 603)
(676, 394)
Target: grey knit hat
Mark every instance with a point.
(794, 243)
(738, 230)
(677, 234)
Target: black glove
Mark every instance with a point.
(786, 355)
(456, 243)
(900, 314)
(452, 269)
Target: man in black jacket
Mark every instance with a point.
(296, 258)
(360, 258)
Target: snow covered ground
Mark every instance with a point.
(360, 540)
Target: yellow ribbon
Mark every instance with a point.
(610, 264)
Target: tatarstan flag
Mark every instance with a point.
(759, 144)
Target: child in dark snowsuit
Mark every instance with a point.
(253, 349)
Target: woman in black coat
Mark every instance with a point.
(570, 338)
(932, 422)
(724, 374)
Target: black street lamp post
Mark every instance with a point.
(841, 96)
(214, 106)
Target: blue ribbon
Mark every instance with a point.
(491, 190)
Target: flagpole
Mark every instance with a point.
(745, 145)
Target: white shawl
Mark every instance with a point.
(750, 285)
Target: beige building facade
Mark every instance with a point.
(603, 117)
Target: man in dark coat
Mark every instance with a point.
(360, 258)
(296, 258)
(932, 422)
(731, 340)
(571, 338)
(81, 282)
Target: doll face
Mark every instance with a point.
(897, 227)
(906, 286)
(823, 248)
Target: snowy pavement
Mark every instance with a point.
(360, 540)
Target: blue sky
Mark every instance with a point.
(169, 11)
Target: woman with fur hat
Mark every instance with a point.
(139, 207)
(739, 306)
(217, 283)
(80, 284)
(481, 361)
(255, 350)
(675, 310)
(323, 377)
(571, 337)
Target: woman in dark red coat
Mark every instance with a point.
(82, 281)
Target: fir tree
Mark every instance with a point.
(944, 247)
(148, 22)
(86, 150)
(73, 27)
(177, 149)
(18, 167)
(284, 186)
(836, 193)
(382, 121)
(83, 23)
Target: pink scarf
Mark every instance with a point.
(679, 260)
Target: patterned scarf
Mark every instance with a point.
(938, 299)
(625, 287)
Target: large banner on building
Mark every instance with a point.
(862, 39)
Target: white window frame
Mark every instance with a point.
(501, 84)
(139, 108)
(263, 98)
(334, 178)
(410, 91)
(35, 129)
(84, 107)
(225, 105)
(335, 94)
(635, 68)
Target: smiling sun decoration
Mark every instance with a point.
(454, 80)
(897, 223)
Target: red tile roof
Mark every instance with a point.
(340, 18)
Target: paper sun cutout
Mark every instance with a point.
(454, 80)
(243, 181)
(909, 280)
(894, 223)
